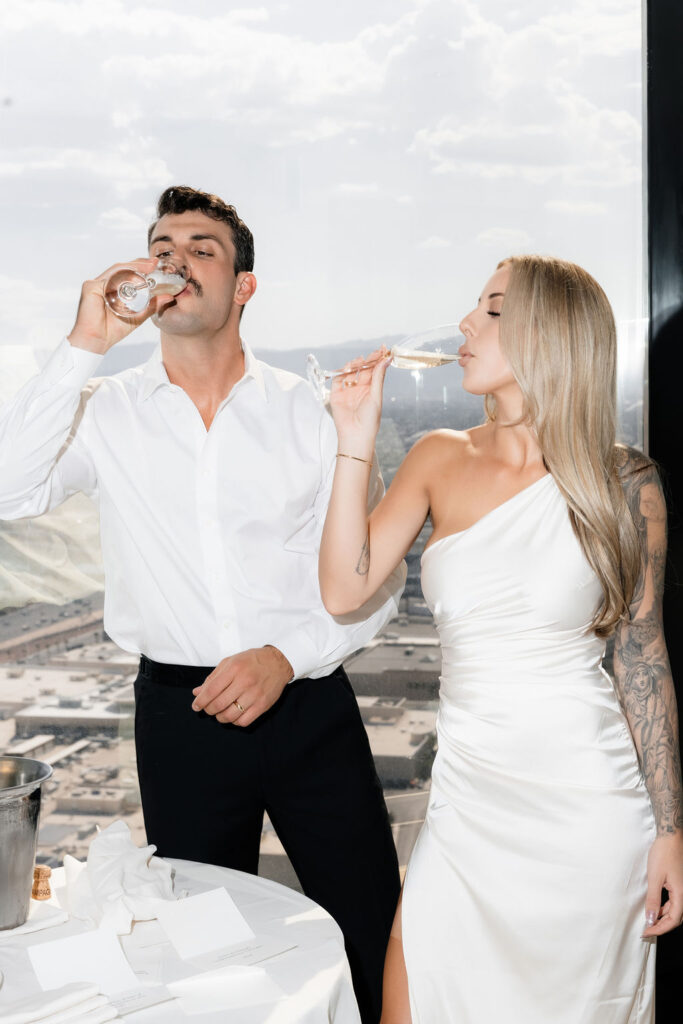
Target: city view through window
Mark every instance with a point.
(386, 157)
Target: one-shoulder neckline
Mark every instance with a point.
(503, 504)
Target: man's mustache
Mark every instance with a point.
(190, 282)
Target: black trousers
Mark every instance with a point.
(307, 762)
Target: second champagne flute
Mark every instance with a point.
(433, 347)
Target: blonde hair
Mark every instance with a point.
(558, 333)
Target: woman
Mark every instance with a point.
(533, 893)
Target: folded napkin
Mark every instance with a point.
(119, 883)
(40, 915)
(71, 1004)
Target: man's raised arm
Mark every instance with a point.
(41, 460)
(42, 457)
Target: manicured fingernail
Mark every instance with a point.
(195, 706)
(650, 918)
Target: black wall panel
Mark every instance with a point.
(665, 241)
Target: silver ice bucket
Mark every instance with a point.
(20, 782)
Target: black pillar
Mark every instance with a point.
(665, 243)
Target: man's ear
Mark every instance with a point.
(246, 286)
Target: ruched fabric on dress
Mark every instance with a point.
(524, 900)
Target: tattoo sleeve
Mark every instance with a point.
(641, 663)
(363, 566)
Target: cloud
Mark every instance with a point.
(126, 168)
(575, 207)
(357, 189)
(603, 32)
(322, 129)
(510, 239)
(34, 313)
(532, 98)
(119, 17)
(537, 153)
(122, 221)
(442, 119)
(245, 64)
(434, 242)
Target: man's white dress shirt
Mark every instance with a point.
(209, 538)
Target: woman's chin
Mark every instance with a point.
(473, 388)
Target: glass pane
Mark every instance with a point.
(386, 153)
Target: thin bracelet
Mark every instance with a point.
(342, 455)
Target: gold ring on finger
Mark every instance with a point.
(239, 707)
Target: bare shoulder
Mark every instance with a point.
(443, 444)
(432, 456)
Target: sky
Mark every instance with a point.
(385, 153)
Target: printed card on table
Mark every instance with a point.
(203, 923)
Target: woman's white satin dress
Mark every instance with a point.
(524, 899)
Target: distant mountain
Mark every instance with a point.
(441, 384)
(122, 357)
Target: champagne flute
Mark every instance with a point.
(128, 292)
(434, 347)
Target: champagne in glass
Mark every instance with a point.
(434, 347)
(128, 292)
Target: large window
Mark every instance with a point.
(386, 153)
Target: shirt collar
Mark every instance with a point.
(154, 373)
(254, 369)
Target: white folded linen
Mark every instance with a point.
(227, 988)
(99, 1016)
(120, 882)
(70, 1004)
(40, 915)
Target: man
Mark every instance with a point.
(213, 473)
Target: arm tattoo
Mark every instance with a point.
(641, 664)
(363, 566)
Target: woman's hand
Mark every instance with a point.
(664, 871)
(356, 403)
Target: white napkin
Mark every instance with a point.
(40, 915)
(71, 1004)
(120, 883)
(229, 988)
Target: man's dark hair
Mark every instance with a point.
(182, 198)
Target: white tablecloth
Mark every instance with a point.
(314, 976)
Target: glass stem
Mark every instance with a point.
(336, 374)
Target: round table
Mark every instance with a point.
(312, 980)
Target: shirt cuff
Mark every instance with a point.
(70, 366)
(301, 653)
